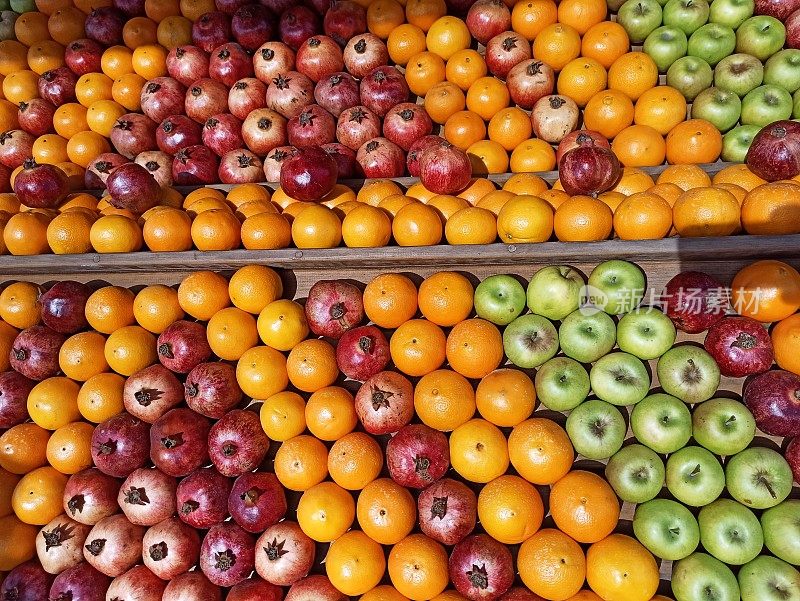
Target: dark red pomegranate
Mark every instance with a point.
(64, 306)
(257, 501)
(178, 132)
(90, 496)
(162, 97)
(693, 301)
(57, 86)
(178, 441)
(416, 151)
(211, 389)
(187, 64)
(448, 510)
(36, 116)
(120, 445)
(318, 57)
(313, 127)
(346, 162)
(100, 168)
(195, 165)
(34, 352)
(407, 123)
(344, 20)
(529, 81)
(589, 169)
(362, 352)
(488, 18)
(230, 63)
(505, 51)
(309, 174)
(26, 582)
(775, 152)
(183, 345)
(379, 157)
(382, 88)
(333, 307)
(14, 389)
(202, 498)
(41, 186)
(445, 169)
(104, 25)
(80, 583)
(83, 56)
(227, 554)
(237, 443)
(297, 24)
(132, 187)
(356, 126)
(133, 134)
(252, 25)
(417, 456)
(223, 133)
(741, 346)
(579, 138)
(336, 92)
(131, 8)
(481, 568)
(363, 53)
(255, 589)
(211, 30)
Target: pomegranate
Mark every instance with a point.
(488, 18)
(693, 301)
(131, 8)
(158, 164)
(104, 25)
(99, 169)
(83, 56)
(63, 306)
(230, 6)
(793, 457)
(205, 98)
(237, 443)
(79, 583)
(579, 138)
(246, 95)
(775, 152)
(382, 88)
(240, 166)
(132, 187)
(178, 132)
(333, 307)
(223, 133)
(313, 127)
(59, 545)
(314, 588)
(336, 92)
(90, 496)
(227, 554)
(255, 589)
(26, 582)
(553, 117)
(34, 352)
(202, 498)
(406, 123)
(257, 501)
(416, 151)
(120, 445)
(229, 63)
(505, 51)
(297, 24)
(529, 81)
(16, 146)
(284, 554)
(170, 548)
(162, 97)
(274, 162)
(379, 157)
(211, 389)
(278, 6)
(445, 169)
(191, 586)
(773, 398)
(741, 347)
(448, 510)
(272, 59)
(178, 441)
(14, 389)
(289, 93)
(146, 496)
(41, 186)
(362, 352)
(344, 20)
(137, 584)
(417, 456)
(187, 64)
(364, 53)
(589, 169)
(114, 545)
(356, 126)
(481, 568)
(36, 116)
(133, 134)
(57, 86)
(385, 403)
(211, 30)
(252, 25)
(318, 57)
(346, 160)
(183, 345)
(309, 174)
(263, 130)
(195, 165)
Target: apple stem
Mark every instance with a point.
(730, 420)
(761, 479)
(695, 471)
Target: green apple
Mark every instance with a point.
(530, 340)
(562, 384)
(587, 334)
(620, 379)
(23, 6)
(766, 104)
(719, 107)
(636, 473)
(645, 333)
(686, 15)
(665, 45)
(796, 109)
(554, 292)
(695, 476)
(639, 18)
(730, 532)
(662, 422)
(739, 73)
(666, 528)
(621, 285)
(736, 143)
(689, 373)
(596, 429)
(781, 526)
(758, 477)
(783, 70)
(723, 426)
(690, 75)
(769, 579)
(499, 299)
(712, 42)
(760, 36)
(731, 13)
(701, 577)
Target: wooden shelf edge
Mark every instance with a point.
(399, 258)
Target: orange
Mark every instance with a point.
(557, 45)
(552, 565)
(66, 25)
(383, 16)
(366, 227)
(261, 372)
(81, 356)
(355, 563)
(587, 595)
(510, 509)
(355, 460)
(19, 305)
(283, 416)
(766, 291)
(505, 397)
(634, 180)
(706, 212)
(194, 9)
(70, 119)
(242, 193)
(390, 300)
(447, 35)
(130, 349)
(330, 413)
(525, 219)
(668, 191)
(740, 175)
(582, 14)
(383, 592)
(301, 462)
(404, 42)
(424, 13)
(45, 56)
(692, 142)
(633, 74)
(23, 448)
(216, 229)
(48, 7)
(311, 365)
(325, 512)
(17, 542)
(53, 402)
(510, 127)
(174, 31)
(605, 42)
(231, 332)
(478, 451)
(9, 202)
(7, 336)
(31, 28)
(85, 146)
(643, 216)
(418, 567)
(50, 149)
(772, 210)
(37, 496)
(253, 287)
(608, 112)
(386, 511)
(110, 308)
(530, 18)
(426, 70)
(139, 31)
(94, 87)
(102, 115)
(21, 86)
(282, 325)
(532, 155)
(661, 108)
(158, 10)
(26, 234)
(150, 61)
(13, 57)
(8, 481)
(100, 397)
(619, 567)
(614, 199)
(445, 298)
(471, 225)
(465, 67)
(168, 230)
(444, 399)
(474, 348)
(115, 234)
(739, 192)
(540, 451)
(477, 189)
(375, 190)
(639, 146)
(584, 506)
(488, 156)
(69, 449)
(203, 293)
(487, 96)
(685, 177)
(785, 337)
(583, 219)
(418, 347)
(464, 128)
(525, 183)
(317, 226)
(582, 78)
(417, 224)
